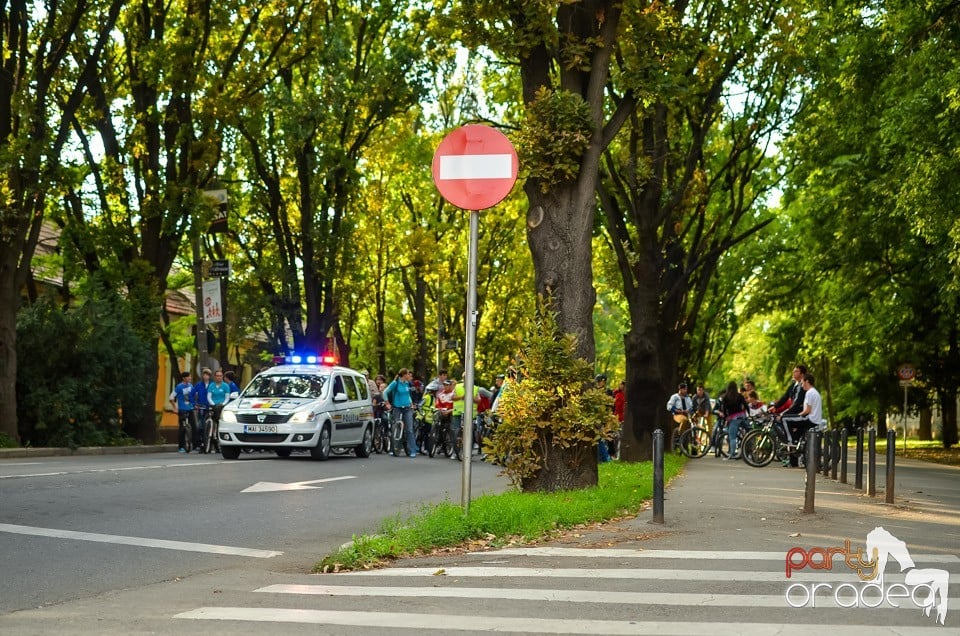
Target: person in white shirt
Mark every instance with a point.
(680, 404)
(809, 417)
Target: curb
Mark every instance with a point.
(8, 453)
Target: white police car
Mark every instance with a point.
(306, 403)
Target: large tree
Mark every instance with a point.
(42, 81)
(563, 52)
(685, 183)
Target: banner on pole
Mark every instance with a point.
(212, 302)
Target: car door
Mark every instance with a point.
(352, 427)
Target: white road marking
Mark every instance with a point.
(450, 622)
(138, 541)
(621, 573)
(272, 486)
(616, 553)
(476, 167)
(113, 470)
(563, 596)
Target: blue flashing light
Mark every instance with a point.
(296, 359)
(311, 359)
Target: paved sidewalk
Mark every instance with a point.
(728, 505)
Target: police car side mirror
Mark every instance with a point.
(340, 397)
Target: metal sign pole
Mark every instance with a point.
(905, 387)
(469, 356)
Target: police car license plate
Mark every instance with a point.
(260, 428)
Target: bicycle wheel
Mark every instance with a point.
(211, 443)
(187, 436)
(396, 437)
(694, 442)
(723, 445)
(758, 449)
(435, 437)
(377, 436)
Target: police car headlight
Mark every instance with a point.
(228, 416)
(301, 417)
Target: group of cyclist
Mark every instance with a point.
(799, 409)
(196, 404)
(406, 396)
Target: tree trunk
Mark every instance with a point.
(564, 469)
(948, 410)
(8, 345)
(925, 431)
(559, 232)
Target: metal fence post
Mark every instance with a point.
(843, 455)
(657, 476)
(891, 464)
(811, 479)
(858, 479)
(872, 463)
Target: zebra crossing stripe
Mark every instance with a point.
(616, 553)
(450, 622)
(563, 596)
(621, 573)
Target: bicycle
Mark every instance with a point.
(381, 434)
(423, 431)
(441, 438)
(761, 446)
(691, 440)
(211, 440)
(187, 426)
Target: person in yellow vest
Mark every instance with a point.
(459, 406)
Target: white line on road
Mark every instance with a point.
(563, 596)
(138, 541)
(112, 470)
(616, 553)
(451, 622)
(621, 573)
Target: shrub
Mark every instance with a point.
(77, 369)
(553, 416)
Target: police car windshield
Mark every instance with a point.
(288, 386)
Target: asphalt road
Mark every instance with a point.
(77, 527)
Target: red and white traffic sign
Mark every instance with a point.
(475, 167)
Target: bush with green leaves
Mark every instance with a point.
(78, 368)
(554, 413)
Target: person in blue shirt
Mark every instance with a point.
(399, 399)
(218, 394)
(200, 399)
(234, 387)
(183, 400)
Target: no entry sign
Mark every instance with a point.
(475, 167)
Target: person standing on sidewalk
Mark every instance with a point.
(734, 408)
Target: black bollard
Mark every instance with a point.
(834, 454)
(811, 485)
(891, 464)
(872, 463)
(657, 476)
(858, 480)
(827, 450)
(843, 456)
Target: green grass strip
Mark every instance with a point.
(621, 491)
